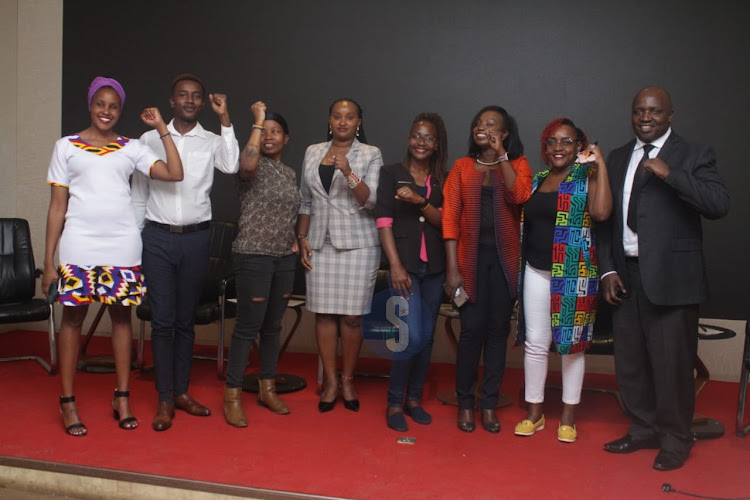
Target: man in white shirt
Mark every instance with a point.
(175, 218)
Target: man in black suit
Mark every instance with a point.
(651, 260)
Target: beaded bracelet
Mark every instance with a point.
(353, 180)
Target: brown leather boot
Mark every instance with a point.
(233, 412)
(267, 396)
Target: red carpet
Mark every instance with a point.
(348, 454)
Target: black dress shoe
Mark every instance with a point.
(627, 444)
(466, 420)
(669, 460)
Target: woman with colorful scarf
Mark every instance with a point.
(559, 275)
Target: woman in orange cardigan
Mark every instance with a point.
(481, 226)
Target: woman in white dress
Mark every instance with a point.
(91, 217)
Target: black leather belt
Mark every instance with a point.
(190, 228)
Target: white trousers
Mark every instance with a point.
(536, 304)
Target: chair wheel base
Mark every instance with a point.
(100, 364)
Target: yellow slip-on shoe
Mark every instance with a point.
(566, 433)
(527, 427)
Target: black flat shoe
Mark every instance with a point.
(128, 423)
(397, 422)
(418, 414)
(72, 429)
(466, 420)
(351, 404)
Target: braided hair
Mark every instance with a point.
(439, 158)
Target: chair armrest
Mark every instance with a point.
(52, 292)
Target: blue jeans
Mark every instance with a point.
(270, 279)
(428, 294)
(175, 267)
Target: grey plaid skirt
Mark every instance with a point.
(342, 281)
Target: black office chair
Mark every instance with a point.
(743, 430)
(18, 285)
(215, 306)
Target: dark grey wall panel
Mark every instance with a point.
(583, 59)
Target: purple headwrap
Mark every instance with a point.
(103, 81)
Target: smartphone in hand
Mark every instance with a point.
(460, 297)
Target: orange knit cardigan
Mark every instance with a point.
(461, 211)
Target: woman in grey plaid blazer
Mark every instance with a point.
(339, 244)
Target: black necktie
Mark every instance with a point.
(635, 192)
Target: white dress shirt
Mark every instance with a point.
(629, 238)
(185, 202)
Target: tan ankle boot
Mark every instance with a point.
(233, 412)
(267, 397)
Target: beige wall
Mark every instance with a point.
(30, 107)
(8, 98)
(30, 111)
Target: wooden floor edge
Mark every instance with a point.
(137, 478)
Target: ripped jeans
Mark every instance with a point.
(264, 284)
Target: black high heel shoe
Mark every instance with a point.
(350, 404)
(326, 406)
(72, 427)
(466, 420)
(125, 423)
(490, 423)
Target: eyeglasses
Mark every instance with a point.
(426, 138)
(565, 142)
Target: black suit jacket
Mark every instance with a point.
(409, 221)
(670, 237)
